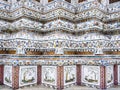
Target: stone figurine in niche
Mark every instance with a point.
(109, 74)
(8, 75)
(92, 75)
(49, 75)
(28, 75)
(69, 74)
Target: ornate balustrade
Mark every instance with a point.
(93, 13)
(90, 25)
(25, 23)
(55, 10)
(90, 5)
(57, 14)
(61, 60)
(112, 26)
(58, 24)
(32, 5)
(53, 25)
(5, 6)
(59, 4)
(113, 16)
(114, 7)
(68, 44)
(20, 24)
(35, 10)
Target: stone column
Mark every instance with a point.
(102, 77)
(91, 0)
(74, 2)
(60, 77)
(43, 2)
(78, 71)
(115, 70)
(15, 77)
(1, 74)
(12, 1)
(105, 2)
(39, 74)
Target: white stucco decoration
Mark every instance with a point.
(8, 75)
(109, 75)
(49, 75)
(69, 75)
(91, 75)
(27, 75)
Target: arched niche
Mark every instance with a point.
(79, 1)
(68, 1)
(99, 1)
(113, 1)
(37, 0)
(50, 0)
(5, 0)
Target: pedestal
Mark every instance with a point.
(1, 74)
(115, 74)
(78, 67)
(102, 77)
